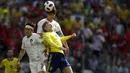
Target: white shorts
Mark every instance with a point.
(36, 67)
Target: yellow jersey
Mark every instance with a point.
(10, 66)
(53, 41)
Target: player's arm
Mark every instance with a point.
(46, 51)
(21, 54)
(60, 33)
(22, 51)
(64, 38)
(38, 39)
(64, 43)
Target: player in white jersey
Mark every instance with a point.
(55, 26)
(30, 45)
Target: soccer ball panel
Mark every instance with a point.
(49, 5)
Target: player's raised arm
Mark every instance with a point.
(22, 51)
(64, 38)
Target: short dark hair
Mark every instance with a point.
(30, 24)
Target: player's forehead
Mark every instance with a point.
(28, 29)
(29, 26)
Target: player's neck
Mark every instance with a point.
(49, 19)
(10, 58)
(28, 36)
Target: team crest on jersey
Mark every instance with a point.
(31, 41)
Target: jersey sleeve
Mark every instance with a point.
(39, 26)
(58, 29)
(2, 64)
(64, 38)
(38, 38)
(23, 44)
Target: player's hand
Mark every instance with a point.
(18, 63)
(62, 48)
(73, 35)
(46, 54)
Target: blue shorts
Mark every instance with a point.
(56, 60)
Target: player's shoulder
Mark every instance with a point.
(42, 21)
(46, 34)
(25, 37)
(32, 36)
(35, 35)
(55, 22)
(4, 60)
(15, 58)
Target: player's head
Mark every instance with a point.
(29, 28)
(47, 27)
(50, 9)
(10, 53)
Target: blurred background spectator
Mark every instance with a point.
(102, 44)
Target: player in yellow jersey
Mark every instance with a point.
(56, 58)
(10, 63)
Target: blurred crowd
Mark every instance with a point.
(102, 44)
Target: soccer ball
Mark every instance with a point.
(49, 6)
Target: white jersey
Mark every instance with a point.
(55, 26)
(32, 45)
